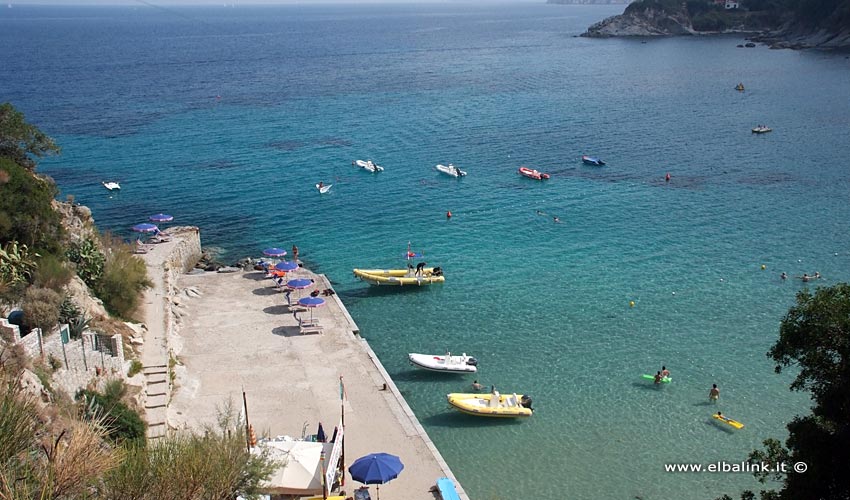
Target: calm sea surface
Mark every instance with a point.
(227, 117)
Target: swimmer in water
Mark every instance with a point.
(556, 219)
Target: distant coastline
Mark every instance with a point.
(779, 28)
(588, 2)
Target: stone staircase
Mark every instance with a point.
(156, 399)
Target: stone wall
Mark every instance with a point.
(187, 251)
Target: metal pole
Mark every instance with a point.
(342, 421)
(324, 483)
(247, 428)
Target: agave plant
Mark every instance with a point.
(17, 264)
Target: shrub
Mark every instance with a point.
(26, 210)
(89, 260)
(68, 310)
(124, 279)
(52, 273)
(124, 425)
(54, 362)
(135, 367)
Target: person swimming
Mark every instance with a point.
(476, 385)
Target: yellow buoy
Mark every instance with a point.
(763, 267)
(631, 303)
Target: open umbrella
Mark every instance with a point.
(286, 266)
(298, 284)
(274, 252)
(161, 218)
(145, 228)
(312, 303)
(376, 468)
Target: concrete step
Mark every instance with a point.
(156, 401)
(156, 430)
(157, 378)
(155, 371)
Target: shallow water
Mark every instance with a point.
(227, 118)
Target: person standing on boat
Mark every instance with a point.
(420, 267)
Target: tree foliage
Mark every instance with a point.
(814, 337)
(26, 209)
(20, 141)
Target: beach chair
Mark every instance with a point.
(141, 248)
(362, 493)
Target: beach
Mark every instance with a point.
(232, 332)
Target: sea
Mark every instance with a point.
(227, 116)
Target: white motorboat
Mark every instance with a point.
(368, 165)
(451, 170)
(323, 188)
(762, 129)
(444, 363)
(112, 186)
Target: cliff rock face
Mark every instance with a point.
(642, 22)
(789, 37)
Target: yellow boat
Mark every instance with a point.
(400, 277)
(728, 421)
(492, 405)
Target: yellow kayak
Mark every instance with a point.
(728, 421)
(492, 405)
(399, 277)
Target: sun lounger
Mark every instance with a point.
(142, 248)
(311, 329)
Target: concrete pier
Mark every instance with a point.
(233, 331)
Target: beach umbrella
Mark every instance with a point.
(298, 284)
(286, 266)
(161, 218)
(312, 303)
(274, 252)
(376, 468)
(320, 434)
(145, 228)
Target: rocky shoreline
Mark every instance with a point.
(652, 22)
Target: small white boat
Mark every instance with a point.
(444, 363)
(324, 188)
(451, 170)
(112, 186)
(368, 165)
(762, 129)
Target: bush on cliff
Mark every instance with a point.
(124, 278)
(123, 424)
(26, 210)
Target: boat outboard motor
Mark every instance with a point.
(525, 402)
(472, 361)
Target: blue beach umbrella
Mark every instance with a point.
(312, 303)
(299, 283)
(161, 218)
(286, 266)
(274, 252)
(145, 228)
(320, 434)
(376, 468)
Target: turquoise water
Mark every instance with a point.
(226, 118)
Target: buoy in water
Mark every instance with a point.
(763, 267)
(631, 303)
(667, 177)
(449, 214)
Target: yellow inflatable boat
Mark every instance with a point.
(400, 277)
(492, 405)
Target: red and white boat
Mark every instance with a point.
(532, 174)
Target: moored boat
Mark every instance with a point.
(762, 129)
(444, 363)
(401, 277)
(739, 87)
(323, 188)
(111, 185)
(368, 165)
(592, 160)
(492, 405)
(451, 170)
(532, 173)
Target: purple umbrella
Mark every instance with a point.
(376, 468)
(312, 303)
(274, 252)
(160, 218)
(145, 228)
(286, 266)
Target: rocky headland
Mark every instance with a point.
(779, 29)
